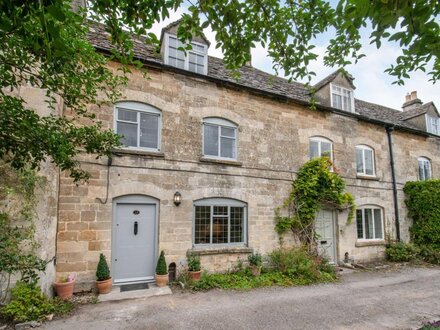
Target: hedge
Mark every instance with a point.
(423, 202)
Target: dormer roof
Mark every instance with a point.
(172, 29)
(331, 77)
(419, 111)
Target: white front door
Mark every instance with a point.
(134, 240)
(325, 230)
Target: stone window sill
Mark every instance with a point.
(201, 251)
(366, 177)
(372, 243)
(137, 152)
(220, 161)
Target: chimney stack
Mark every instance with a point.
(411, 101)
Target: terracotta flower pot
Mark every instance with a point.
(162, 280)
(195, 275)
(104, 286)
(256, 270)
(64, 290)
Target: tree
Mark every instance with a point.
(44, 44)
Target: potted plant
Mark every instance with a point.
(161, 271)
(194, 269)
(255, 263)
(103, 278)
(64, 287)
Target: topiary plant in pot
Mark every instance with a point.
(161, 271)
(194, 268)
(255, 263)
(103, 278)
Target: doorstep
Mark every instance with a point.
(116, 293)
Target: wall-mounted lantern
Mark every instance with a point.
(177, 198)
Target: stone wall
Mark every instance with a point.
(273, 143)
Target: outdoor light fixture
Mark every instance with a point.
(177, 198)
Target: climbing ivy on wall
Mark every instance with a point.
(17, 243)
(315, 187)
(423, 202)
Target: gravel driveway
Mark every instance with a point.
(399, 299)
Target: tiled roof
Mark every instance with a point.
(254, 79)
(421, 110)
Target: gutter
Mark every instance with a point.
(389, 130)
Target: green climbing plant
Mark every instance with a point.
(315, 187)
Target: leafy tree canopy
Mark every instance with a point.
(44, 44)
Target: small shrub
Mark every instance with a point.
(429, 254)
(161, 268)
(194, 263)
(102, 271)
(28, 303)
(255, 259)
(434, 325)
(401, 252)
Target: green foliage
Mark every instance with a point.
(429, 254)
(28, 303)
(161, 268)
(255, 259)
(102, 271)
(401, 252)
(193, 263)
(289, 267)
(316, 186)
(422, 200)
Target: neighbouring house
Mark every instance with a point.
(207, 159)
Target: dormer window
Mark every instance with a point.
(342, 98)
(433, 125)
(196, 59)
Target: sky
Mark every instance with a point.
(371, 82)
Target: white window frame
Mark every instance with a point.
(342, 96)
(372, 207)
(432, 125)
(226, 202)
(424, 160)
(320, 140)
(363, 148)
(219, 123)
(194, 51)
(139, 108)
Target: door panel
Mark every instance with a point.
(325, 229)
(134, 242)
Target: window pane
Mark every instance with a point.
(326, 149)
(359, 161)
(219, 230)
(181, 64)
(173, 42)
(427, 170)
(202, 225)
(149, 131)
(421, 171)
(192, 67)
(237, 230)
(337, 101)
(226, 131)
(368, 162)
(210, 140)
(368, 223)
(360, 230)
(314, 149)
(221, 210)
(227, 148)
(129, 133)
(127, 115)
(192, 58)
(378, 224)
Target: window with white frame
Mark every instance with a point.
(219, 138)
(424, 169)
(369, 223)
(320, 147)
(139, 124)
(433, 125)
(219, 221)
(365, 160)
(194, 60)
(342, 98)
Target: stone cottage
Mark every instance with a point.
(206, 159)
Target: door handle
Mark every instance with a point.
(136, 228)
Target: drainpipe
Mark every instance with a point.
(389, 130)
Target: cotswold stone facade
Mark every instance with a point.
(273, 127)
